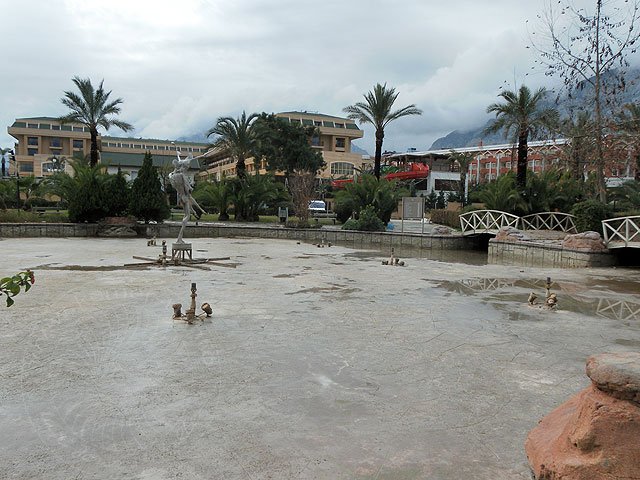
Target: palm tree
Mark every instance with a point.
(93, 109)
(520, 116)
(463, 159)
(237, 136)
(376, 110)
(629, 123)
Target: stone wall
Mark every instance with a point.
(531, 254)
(342, 237)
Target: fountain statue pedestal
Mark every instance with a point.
(180, 250)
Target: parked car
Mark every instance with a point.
(317, 206)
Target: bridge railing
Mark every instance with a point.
(561, 222)
(487, 221)
(622, 231)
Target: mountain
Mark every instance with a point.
(564, 103)
(358, 150)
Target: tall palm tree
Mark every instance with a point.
(521, 116)
(376, 110)
(629, 123)
(92, 108)
(237, 136)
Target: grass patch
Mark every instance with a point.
(21, 216)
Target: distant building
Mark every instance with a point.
(492, 161)
(334, 142)
(42, 142)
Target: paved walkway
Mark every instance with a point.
(318, 363)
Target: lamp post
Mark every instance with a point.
(12, 158)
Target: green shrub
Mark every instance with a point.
(589, 215)
(449, 218)
(382, 195)
(351, 224)
(343, 210)
(367, 221)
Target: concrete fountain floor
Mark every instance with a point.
(318, 363)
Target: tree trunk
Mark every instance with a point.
(576, 152)
(94, 147)
(241, 168)
(379, 140)
(521, 174)
(602, 190)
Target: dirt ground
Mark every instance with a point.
(318, 363)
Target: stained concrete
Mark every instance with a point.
(318, 363)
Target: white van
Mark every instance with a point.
(317, 206)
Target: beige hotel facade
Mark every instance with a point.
(334, 142)
(42, 142)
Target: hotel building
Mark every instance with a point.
(43, 142)
(334, 142)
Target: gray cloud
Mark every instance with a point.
(180, 65)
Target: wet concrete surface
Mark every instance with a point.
(318, 363)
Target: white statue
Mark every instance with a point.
(182, 183)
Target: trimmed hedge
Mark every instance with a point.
(449, 218)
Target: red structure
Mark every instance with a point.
(413, 172)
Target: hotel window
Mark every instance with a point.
(55, 142)
(32, 151)
(55, 127)
(339, 125)
(507, 165)
(26, 167)
(126, 145)
(137, 146)
(33, 141)
(32, 125)
(77, 144)
(317, 124)
(341, 168)
(315, 141)
(78, 129)
(340, 142)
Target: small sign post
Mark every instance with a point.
(413, 208)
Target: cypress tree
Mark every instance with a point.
(147, 199)
(117, 194)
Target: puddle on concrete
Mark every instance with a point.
(606, 297)
(287, 275)
(331, 289)
(470, 257)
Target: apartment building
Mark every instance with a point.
(43, 144)
(334, 142)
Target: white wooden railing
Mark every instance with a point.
(486, 221)
(561, 222)
(622, 232)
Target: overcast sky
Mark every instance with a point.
(181, 64)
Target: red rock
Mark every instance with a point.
(617, 374)
(592, 436)
(584, 242)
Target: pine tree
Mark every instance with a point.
(118, 194)
(147, 199)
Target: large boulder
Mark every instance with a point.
(584, 242)
(595, 434)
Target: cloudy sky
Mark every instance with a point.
(179, 65)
